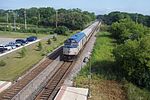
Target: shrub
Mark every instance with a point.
(49, 41)
(134, 59)
(43, 53)
(105, 28)
(127, 29)
(61, 30)
(40, 47)
(54, 38)
(22, 52)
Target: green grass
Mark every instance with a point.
(19, 35)
(16, 66)
(102, 59)
(136, 93)
(102, 63)
(105, 72)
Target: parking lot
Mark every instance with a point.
(6, 40)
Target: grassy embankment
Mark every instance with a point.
(107, 81)
(16, 66)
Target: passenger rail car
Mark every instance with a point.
(75, 43)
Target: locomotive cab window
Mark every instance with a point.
(71, 42)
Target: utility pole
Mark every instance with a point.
(7, 18)
(136, 18)
(25, 21)
(86, 59)
(14, 20)
(56, 17)
(90, 76)
(39, 17)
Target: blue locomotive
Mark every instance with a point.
(75, 43)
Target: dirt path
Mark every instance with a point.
(107, 90)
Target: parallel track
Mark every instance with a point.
(53, 85)
(17, 87)
(55, 82)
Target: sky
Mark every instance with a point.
(97, 6)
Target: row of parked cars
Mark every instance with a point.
(17, 43)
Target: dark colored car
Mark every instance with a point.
(2, 50)
(31, 38)
(21, 41)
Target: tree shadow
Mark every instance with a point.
(108, 70)
(114, 41)
(18, 57)
(103, 35)
(36, 49)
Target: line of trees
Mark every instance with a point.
(116, 16)
(125, 29)
(73, 19)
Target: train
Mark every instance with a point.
(74, 44)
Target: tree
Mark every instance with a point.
(127, 29)
(134, 59)
(49, 41)
(40, 47)
(46, 17)
(22, 53)
(54, 38)
(61, 30)
(116, 16)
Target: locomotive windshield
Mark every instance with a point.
(71, 42)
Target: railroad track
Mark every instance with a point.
(17, 87)
(54, 84)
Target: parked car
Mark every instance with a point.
(14, 43)
(17, 44)
(2, 49)
(31, 38)
(12, 46)
(21, 41)
(6, 47)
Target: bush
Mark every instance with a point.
(40, 47)
(22, 52)
(104, 28)
(134, 59)
(2, 28)
(49, 41)
(127, 29)
(2, 63)
(43, 52)
(61, 30)
(54, 38)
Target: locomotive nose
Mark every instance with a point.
(69, 50)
